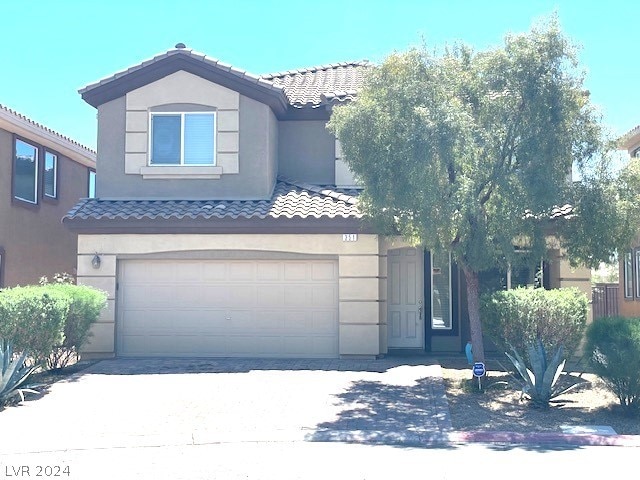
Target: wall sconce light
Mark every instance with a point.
(95, 261)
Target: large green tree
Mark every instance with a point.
(472, 152)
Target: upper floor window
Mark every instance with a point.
(92, 184)
(182, 138)
(50, 174)
(25, 172)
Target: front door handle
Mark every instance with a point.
(420, 309)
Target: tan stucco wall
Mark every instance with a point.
(241, 158)
(360, 328)
(36, 243)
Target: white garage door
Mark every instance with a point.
(279, 308)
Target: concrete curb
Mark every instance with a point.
(545, 438)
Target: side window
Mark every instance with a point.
(628, 275)
(637, 272)
(50, 175)
(92, 184)
(25, 172)
(182, 138)
(441, 291)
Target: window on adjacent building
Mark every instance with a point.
(1, 267)
(441, 291)
(637, 272)
(182, 138)
(628, 275)
(25, 172)
(92, 184)
(50, 174)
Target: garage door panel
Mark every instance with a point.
(243, 271)
(214, 272)
(228, 308)
(323, 271)
(269, 296)
(297, 296)
(295, 272)
(269, 271)
(271, 320)
(324, 295)
(324, 322)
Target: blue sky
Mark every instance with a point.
(51, 48)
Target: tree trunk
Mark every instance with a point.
(473, 304)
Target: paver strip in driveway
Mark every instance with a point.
(153, 402)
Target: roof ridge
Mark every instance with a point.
(23, 117)
(317, 68)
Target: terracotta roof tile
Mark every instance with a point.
(290, 199)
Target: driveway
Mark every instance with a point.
(165, 402)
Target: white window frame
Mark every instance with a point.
(90, 194)
(450, 327)
(628, 267)
(182, 115)
(55, 174)
(636, 271)
(37, 167)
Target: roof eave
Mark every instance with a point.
(159, 226)
(249, 86)
(24, 128)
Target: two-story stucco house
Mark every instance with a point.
(42, 175)
(226, 223)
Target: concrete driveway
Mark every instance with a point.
(164, 402)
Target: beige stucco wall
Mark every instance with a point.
(361, 331)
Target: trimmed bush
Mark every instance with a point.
(615, 343)
(85, 306)
(521, 316)
(32, 319)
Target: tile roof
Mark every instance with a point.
(290, 199)
(19, 117)
(210, 61)
(629, 139)
(307, 87)
(323, 84)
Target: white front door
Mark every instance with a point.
(405, 315)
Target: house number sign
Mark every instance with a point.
(349, 237)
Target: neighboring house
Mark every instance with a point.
(226, 223)
(42, 175)
(629, 277)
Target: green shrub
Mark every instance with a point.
(521, 316)
(32, 319)
(615, 343)
(85, 306)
